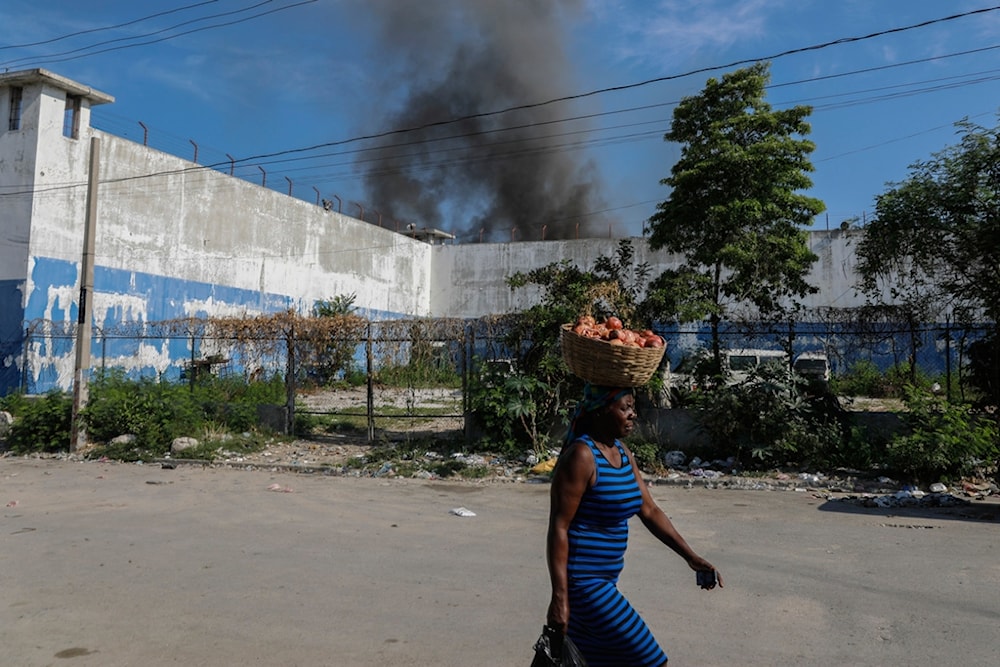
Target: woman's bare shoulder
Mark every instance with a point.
(575, 459)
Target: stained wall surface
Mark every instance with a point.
(470, 280)
(173, 239)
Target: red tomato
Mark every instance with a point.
(613, 323)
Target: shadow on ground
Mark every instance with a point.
(986, 511)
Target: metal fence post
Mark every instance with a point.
(947, 356)
(371, 385)
(468, 354)
(290, 381)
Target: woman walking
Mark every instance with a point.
(596, 488)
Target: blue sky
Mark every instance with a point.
(286, 76)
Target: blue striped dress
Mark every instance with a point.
(602, 623)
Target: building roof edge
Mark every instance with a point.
(39, 75)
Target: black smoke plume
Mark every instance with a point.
(490, 177)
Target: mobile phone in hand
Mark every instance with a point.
(706, 579)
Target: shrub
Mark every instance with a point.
(13, 403)
(513, 409)
(41, 425)
(769, 420)
(863, 378)
(942, 440)
(154, 412)
(330, 359)
(647, 454)
(157, 412)
(901, 376)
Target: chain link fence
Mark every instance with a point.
(409, 377)
(386, 379)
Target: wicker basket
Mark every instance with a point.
(602, 363)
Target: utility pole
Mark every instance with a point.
(78, 434)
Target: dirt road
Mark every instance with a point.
(107, 564)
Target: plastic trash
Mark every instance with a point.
(544, 467)
(674, 459)
(463, 511)
(938, 487)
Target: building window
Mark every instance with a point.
(16, 101)
(71, 118)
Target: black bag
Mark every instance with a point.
(554, 649)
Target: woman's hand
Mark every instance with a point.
(699, 564)
(558, 616)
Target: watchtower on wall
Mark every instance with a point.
(44, 136)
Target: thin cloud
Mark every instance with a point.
(675, 32)
(185, 79)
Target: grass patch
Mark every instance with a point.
(476, 472)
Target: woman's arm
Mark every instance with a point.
(572, 476)
(657, 522)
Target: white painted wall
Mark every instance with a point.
(17, 176)
(172, 218)
(470, 280)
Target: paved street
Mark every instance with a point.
(106, 564)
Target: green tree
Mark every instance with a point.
(612, 287)
(937, 234)
(935, 237)
(341, 304)
(329, 358)
(940, 228)
(734, 209)
(523, 405)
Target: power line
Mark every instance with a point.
(105, 28)
(244, 161)
(661, 105)
(553, 148)
(788, 52)
(880, 68)
(454, 120)
(639, 84)
(897, 139)
(44, 60)
(52, 57)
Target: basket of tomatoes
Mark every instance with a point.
(609, 354)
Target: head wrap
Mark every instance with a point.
(594, 398)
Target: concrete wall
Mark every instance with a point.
(469, 280)
(173, 240)
(196, 225)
